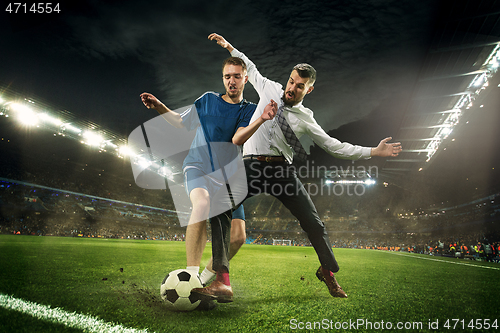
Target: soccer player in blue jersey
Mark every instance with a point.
(216, 118)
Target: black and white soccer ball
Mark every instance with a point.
(176, 289)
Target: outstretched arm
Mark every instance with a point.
(345, 150)
(151, 102)
(266, 88)
(244, 133)
(385, 149)
(221, 41)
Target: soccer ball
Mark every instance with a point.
(176, 289)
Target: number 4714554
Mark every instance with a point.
(35, 8)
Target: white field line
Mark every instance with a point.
(59, 316)
(440, 260)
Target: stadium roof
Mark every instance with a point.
(33, 112)
(458, 73)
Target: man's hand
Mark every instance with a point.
(385, 149)
(270, 111)
(244, 133)
(150, 101)
(221, 41)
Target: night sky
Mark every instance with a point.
(95, 58)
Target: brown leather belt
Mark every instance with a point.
(264, 158)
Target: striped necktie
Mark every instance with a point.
(290, 136)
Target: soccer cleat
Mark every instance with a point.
(216, 291)
(332, 284)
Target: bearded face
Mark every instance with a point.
(296, 89)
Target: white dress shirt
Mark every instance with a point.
(269, 140)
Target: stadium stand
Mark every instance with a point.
(51, 186)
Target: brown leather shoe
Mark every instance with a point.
(215, 291)
(330, 281)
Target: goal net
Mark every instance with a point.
(284, 242)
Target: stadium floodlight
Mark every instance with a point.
(30, 112)
(164, 171)
(19, 107)
(445, 131)
(144, 163)
(111, 144)
(494, 58)
(28, 118)
(125, 151)
(25, 114)
(345, 181)
(49, 119)
(479, 80)
(71, 128)
(370, 182)
(92, 138)
(476, 86)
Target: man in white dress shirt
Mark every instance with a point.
(268, 155)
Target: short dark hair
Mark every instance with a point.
(306, 70)
(234, 61)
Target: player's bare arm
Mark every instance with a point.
(244, 133)
(221, 41)
(151, 102)
(385, 149)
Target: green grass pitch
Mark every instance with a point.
(275, 287)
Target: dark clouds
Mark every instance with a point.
(364, 51)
